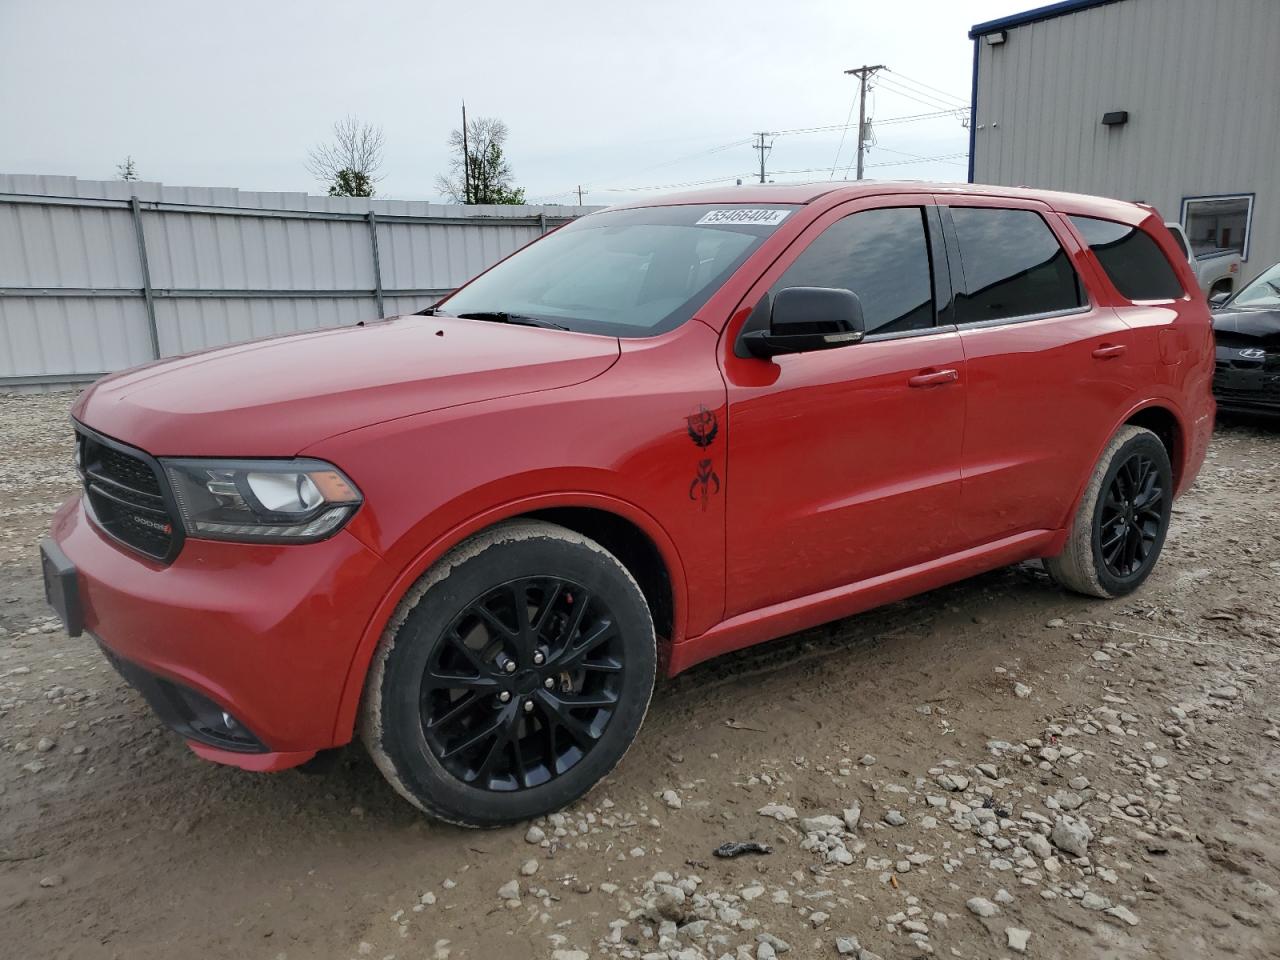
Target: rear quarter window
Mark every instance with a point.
(1131, 258)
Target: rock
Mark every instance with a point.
(848, 946)
(981, 907)
(535, 834)
(818, 918)
(1067, 800)
(1057, 623)
(1092, 901)
(672, 799)
(52, 880)
(1227, 692)
(779, 945)
(1017, 939)
(1123, 913)
(779, 811)
(852, 815)
(529, 868)
(825, 823)
(44, 745)
(868, 760)
(509, 890)
(894, 818)
(1038, 846)
(1004, 896)
(1071, 836)
(570, 955)
(670, 902)
(953, 782)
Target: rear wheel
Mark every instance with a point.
(1120, 525)
(513, 678)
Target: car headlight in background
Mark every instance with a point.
(265, 501)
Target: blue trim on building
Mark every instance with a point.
(973, 110)
(1032, 16)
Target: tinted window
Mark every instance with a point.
(1013, 266)
(1131, 258)
(626, 273)
(883, 257)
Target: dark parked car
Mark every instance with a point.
(1247, 329)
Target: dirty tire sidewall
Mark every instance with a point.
(1148, 444)
(390, 724)
(1080, 566)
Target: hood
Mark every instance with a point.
(1247, 327)
(275, 397)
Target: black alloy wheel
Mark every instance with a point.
(1131, 516)
(512, 678)
(523, 684)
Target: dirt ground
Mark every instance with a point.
(991, 769)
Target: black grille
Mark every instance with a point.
(125, 490)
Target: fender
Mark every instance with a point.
(353, 687)
(1161, 402)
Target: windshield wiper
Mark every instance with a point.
(520, 319)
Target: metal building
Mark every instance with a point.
(1175, 103)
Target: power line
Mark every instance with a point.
(904, 91)
(903, 78)
(843, 132)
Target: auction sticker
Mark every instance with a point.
(758, 217)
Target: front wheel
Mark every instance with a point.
(1120, 525)
(513, 677)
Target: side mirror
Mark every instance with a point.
(1219, 299)
(808, 318)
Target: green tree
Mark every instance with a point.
(349, 164)
(479, 171)
(127, 170)
(351, 183)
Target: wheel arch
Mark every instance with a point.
(631, 534)
(1162, 417)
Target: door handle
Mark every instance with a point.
(1109, 350)
(934, 378)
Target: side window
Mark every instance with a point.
(1131, 258)
(883, 257)
(1013, 266)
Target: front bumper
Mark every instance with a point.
(1252, 387)
(265, 632)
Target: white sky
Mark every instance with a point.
(606, 94)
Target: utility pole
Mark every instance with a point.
(466, 159)
(579, 194)
(764, 151)
(863, 73)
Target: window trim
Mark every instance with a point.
(934, 247)
(1248, 219)
(1126, 300)
(953, 244)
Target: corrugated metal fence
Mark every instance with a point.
(97, 276)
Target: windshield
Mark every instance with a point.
(1264, 291)
(626, 273)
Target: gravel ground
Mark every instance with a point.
(994, 769)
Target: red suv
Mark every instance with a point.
(660, 433)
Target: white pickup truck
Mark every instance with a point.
(1217, 269)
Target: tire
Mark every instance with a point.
(1094, 562)
(461, 715)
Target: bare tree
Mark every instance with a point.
(484, 176)
(127, 170)
(349, 165)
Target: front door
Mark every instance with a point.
(845, 463)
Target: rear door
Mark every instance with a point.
(845, 463)
(1048, 367)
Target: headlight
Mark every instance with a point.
(271, 501)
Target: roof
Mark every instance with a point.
(836, 191)
(1047, 12)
